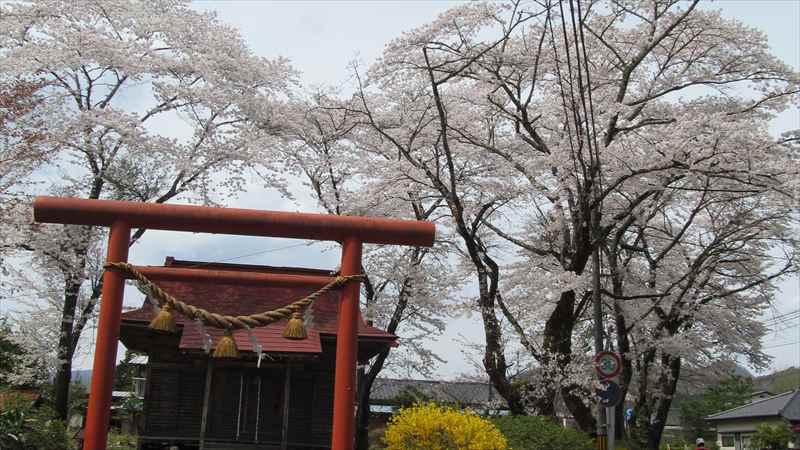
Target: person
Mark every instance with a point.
(701, 444)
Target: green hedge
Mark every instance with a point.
(540, 433)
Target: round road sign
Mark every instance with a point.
(608, 393)
(607, 364)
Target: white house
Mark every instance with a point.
(736, 426)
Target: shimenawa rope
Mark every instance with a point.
(166, 300)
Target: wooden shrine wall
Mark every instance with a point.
(246, 404)
(174, 402)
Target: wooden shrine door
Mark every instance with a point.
(246, 405)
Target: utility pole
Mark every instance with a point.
(605, 415)
(598, 331)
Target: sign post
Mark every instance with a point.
(611, 419)
(608, 366)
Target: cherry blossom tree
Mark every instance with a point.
(21, 131)
(691, 273)
(405, 289)
(21, 136)
(117, 74)
(546, 127)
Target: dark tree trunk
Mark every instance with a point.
(574, 398)
(364, 391)
(494, 360)
(623, 348)
(362, 413)
(62, 383)
(560, 325)
(641, 412)
(671, 370)
(66, 349)
(79, 238)
(558, 343)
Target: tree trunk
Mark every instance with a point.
(671, 370)
(554, 340)
(362, 413)
(364, 392)
(494, 360)
(575, 401)
(558, 344)
(66, 349)
(623, 348)
(62, 383)
(641, 412)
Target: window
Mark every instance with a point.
(727, 440)
(138, 387)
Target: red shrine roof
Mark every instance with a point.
(233, 299)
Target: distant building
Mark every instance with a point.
(126, 405)
(735, 427)
(388, 394)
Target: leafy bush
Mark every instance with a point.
(540, 433)
(772, 437)
(10, 355)
(121, 441)
(433, 427)
(23, 427)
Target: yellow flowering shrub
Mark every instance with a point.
(433, 427)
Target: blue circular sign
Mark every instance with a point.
(608, 393)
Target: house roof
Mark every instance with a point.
(387, 391)
(231, 299)
(786, 405)
(122, 394)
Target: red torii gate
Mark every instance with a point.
(351, 232)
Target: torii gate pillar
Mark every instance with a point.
(105, 354)
(344, 391)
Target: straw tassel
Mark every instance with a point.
(226, 347)
(164, 320)
(295, 328)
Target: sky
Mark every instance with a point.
(321, 38)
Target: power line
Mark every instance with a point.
(247, 255)
(203, 264)
(781, 345)
(788, 320)
(789, 313)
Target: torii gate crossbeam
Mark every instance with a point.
(121, 217)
